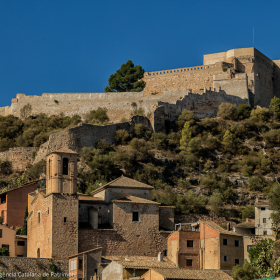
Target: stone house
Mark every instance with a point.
(177, 273)
(263, 223)
(132, 267)
(120, 217)
(206, 246)
(16, 244)
(14, 202)
(85, 265)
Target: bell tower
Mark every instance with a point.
(61, 172)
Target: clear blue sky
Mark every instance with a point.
(74, 46)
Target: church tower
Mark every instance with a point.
(61, 175)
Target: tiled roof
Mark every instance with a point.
(177, 273)
(84, 197)
(247, 224)
(123, 182)
(262, 203)
(141, 262)
(134, 199)
(9, 189)
(218, 229)
(64, 150)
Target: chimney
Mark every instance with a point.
(228, 226)
(160, 257)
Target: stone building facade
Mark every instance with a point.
(120, 217)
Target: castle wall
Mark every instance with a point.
(20, 157)
(86, 135)
(195, 78)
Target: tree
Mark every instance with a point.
(25, 111)
(275, 107)
(186, 136)
(127, 79)
(216, 202)
(24, 227)
(248, 212)
(228, 140)
(227, 111)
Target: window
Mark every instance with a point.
(49, 175)
(21, 243)
(38, 253)
(73, 265)
(237, 243)
(264, 220)
(225, 242)
(2, 214)
(189, 243)
(0, 233)
(237, 261)
(80, 263)
(65, 219)
(249, 247)
(65, 166)
(38, 218)
(19, 255)
(135, 216)
(262, 208)
(3, 198)
(189, 262)
(265, 232)
(5, 246)
(225, 258)
(48, 210)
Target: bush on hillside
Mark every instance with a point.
(227, 111)
(98, 116)
(248, 212)
(121, 136)
(184, 117)
(244, 111)
(261, 114)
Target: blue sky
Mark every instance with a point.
(74, 46)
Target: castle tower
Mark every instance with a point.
(61, 172)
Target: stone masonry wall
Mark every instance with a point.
(86, 135)
(20, 157)
(19, 267)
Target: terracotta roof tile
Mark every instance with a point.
(64, 150)
(141, 262)
(123, 182)
(247, 224)
(217, 228)
(84, 197)
(177, 273)
(134, 199)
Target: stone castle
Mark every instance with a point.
(237, 76)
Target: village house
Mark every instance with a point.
(205, 246)
(14, 202)
(120, 217)
(16, 244)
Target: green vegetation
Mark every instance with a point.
(128, 78)
(98, 116)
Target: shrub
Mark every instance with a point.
(159, 140)
(133, 104)
(211, 142)
(125, 160)
(256, 183)
(248, 212)
(55, 101)
(275, 107)
(140, 112)
(97, 116)
(121, 136)
(191, 160)
(209, 123)
(244, 111)
(5, 167)
(186, 136)
(272, 137)
(25, 111)
(216, 202)
(261, 114)
(139, 130)
(95, 186)
(36, 169)
(185, 116)
(227, 111)
(41, 139)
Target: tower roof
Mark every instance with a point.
(63, 150)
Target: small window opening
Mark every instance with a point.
(0, 233)
(65, 166)
(48, 210)
(225, 242)
(189, 262)
(21, 243)
(225, 258)
(38, 219)
(237, 243)
(65, 219)
(265, 232)
(38, 253)
(135, 216)
(189, 243)
(80, 263)
(264, 220)
(237, 261)
(262, 208)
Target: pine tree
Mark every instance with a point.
(186, 136)
(127, 79)
(275, 107)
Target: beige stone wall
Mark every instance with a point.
(20, 157)
(166, 217)
(113, 271)
(8, 238)
(21, 250)
(231, 251)
(260, 226)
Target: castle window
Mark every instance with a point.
(38, 218)
(49, 175)
(65, 219)
(48, 210)
(65, 166)
(135, 216)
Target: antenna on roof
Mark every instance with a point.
(253, 36)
